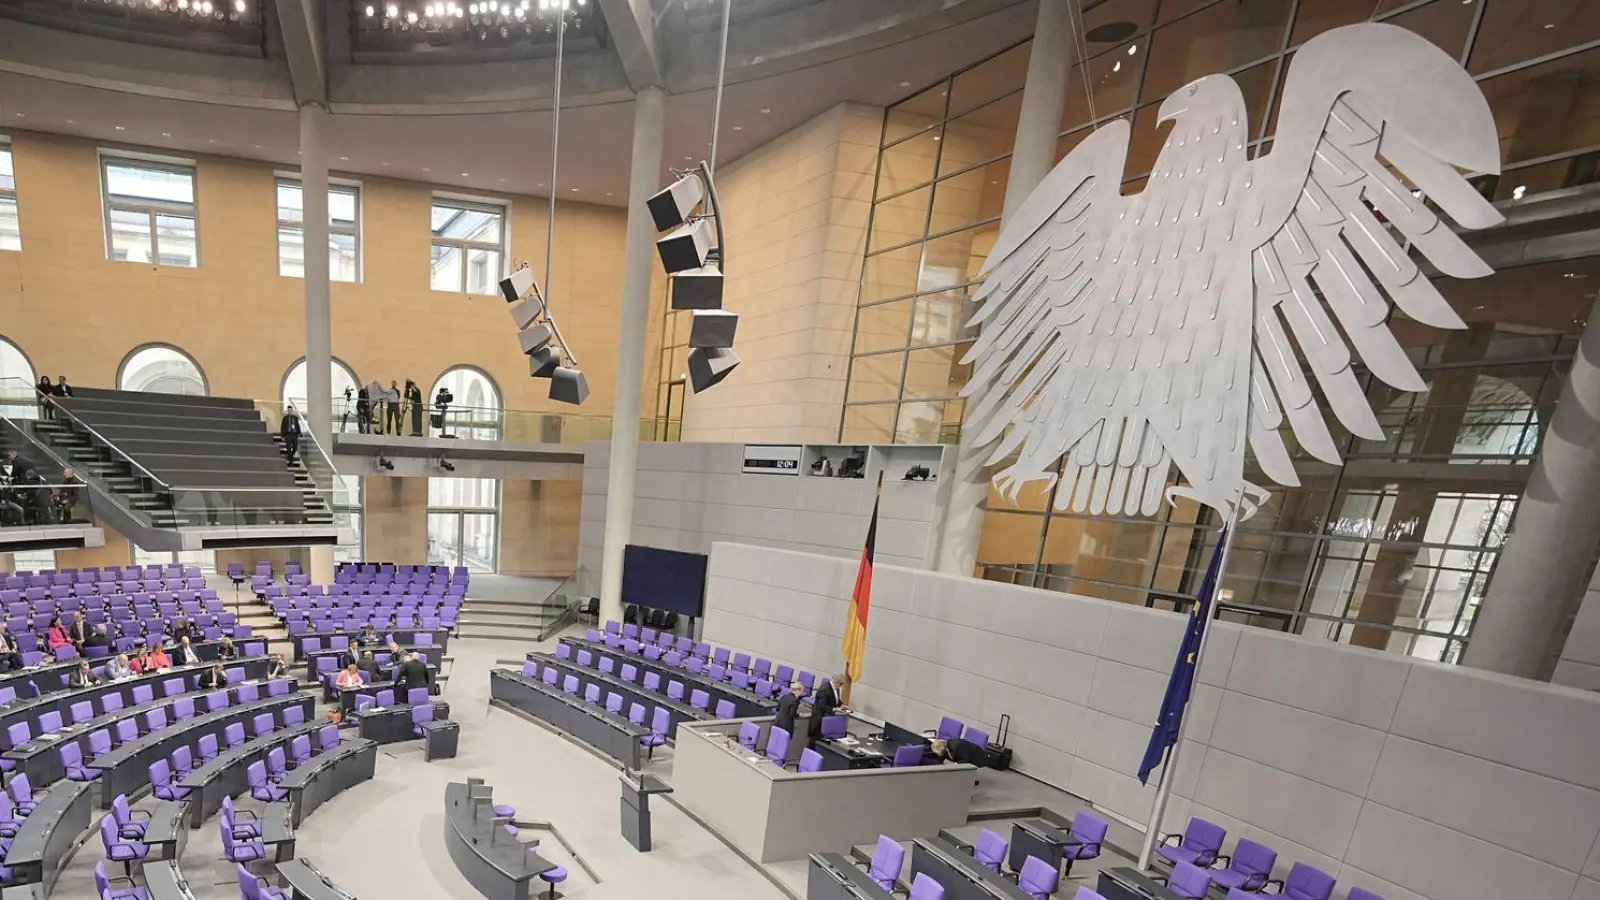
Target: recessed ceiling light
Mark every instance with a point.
(608, 193)
(166, 134)
(936, 137)
(426, 169)
(905, 84)
(22, 115)
(688, 159)
(574, 190)
(1132, 49)
(383, 164)
(466, 174)
(72, 121)
(120, 128)
(541, 184)
(765, 110)
(1550, 25)
(738, 128)
(211, 140)
(502, 181)
(341, 159)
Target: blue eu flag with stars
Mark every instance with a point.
(1170, 723)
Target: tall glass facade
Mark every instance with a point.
(1394, 548)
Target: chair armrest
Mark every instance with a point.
(244, 813)
(1223, 858)
(1160, 879)
(136, 813)
(1271, 882)
(1167, 840)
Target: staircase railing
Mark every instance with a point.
(330, 485)
(22, 403)
(573, 592)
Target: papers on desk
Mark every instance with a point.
(50, 736)
(848, 740)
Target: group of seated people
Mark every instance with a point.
(158, 659)
(357, 666)
(27, 497)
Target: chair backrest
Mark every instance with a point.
(652, 681)
(49, 722)
(1205, 838)
(183, 708)
(661, 721)
(724, 709)
(234, 734)
(263, 724)
(908, 755)
(976, 736)
(835, 726)
(1038, 877)
(423, 713)
(108, 833)
(1089, 829)
(591, 694)
(208, 746)
(530, 669)
(949, 727)
(328, 736)
(608, 665)
(613, 702)
(1251, 858)
(1306, 883)
(156, 718)
(630, 672)
(569, 684)
(551, 673)
(636, 713)
(1355, 894)
(810, 760)
(749, 734)
(699, 700)
(256, 773)
(71, 754)
(300, 747)
(82, 711)
(923, 887)
(160, 772)
(887, 861)
(777, 746)
(99, 742)
(990, 849)
(1189, 880)
(675, 690)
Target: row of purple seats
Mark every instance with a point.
(1195, 855)
(96, 573)
(738, 669)
(660, 720)
(1037, 878)
(417, 698)
(698, 700)
(89, 593)
(315, 594)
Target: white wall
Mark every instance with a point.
(690, 495)
(1411, 779)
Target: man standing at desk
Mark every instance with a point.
(827, 704)
(789, 708)
(413, 673)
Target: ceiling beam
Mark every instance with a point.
(633, 35)
(300, 23)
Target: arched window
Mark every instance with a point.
(161, 369)
(17, 372)
(475, 413)
(343, 379)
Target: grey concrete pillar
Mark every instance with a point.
(1033, 153)
(318, 413)
(1540, 576)
(649, 114)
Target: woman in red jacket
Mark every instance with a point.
(57, 636)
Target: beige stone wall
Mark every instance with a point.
(796, 215)
(117, 551)
(73, 311)
(395, 519)
(539, 527)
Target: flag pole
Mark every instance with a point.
(1164, 785)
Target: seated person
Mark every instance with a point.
(368, 635)
(277, 668)
(159, 661)
(959, 750)
(97, 637)
(10, 657)
(119, 668)
(182, 629)
(83, 676)
(214, 678)
(141, 663)
(349, 677)
(185, 654)
(225, 649)
(368, 665)
(57, 637)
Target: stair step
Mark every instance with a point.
(513, 626)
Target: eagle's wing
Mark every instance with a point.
(1326, 268)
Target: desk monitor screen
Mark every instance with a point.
(897, 735)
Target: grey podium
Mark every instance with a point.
(636, 790)
(498, 865)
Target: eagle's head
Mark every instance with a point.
(1213, 93)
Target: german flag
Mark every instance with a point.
(855, 627)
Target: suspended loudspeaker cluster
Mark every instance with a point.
(548, 355)
(692, 254)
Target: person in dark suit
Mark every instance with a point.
(97, 637)
(789, 708)
(289, 431)
(369, 665)
(350, 656)
(413, 673)
(78, 631)
(413, 395)
(960, 750)
(83, 676)
(827, 704)
(182, 629)
(391, 409)
(214, 678)
(185, 654)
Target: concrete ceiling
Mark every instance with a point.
(485, 147)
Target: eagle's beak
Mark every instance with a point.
(1176, 104)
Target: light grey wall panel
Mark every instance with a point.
(1415, 780)
(1587, 889)
(1444, 863)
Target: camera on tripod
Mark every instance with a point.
(441, 405)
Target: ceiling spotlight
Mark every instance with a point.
(411, 18)
(238, 5)
(385, 463)
(370, 12)
(183, 4)
(391, 10)
(120, 128)
(446, 465)
(166, 134)
(1516, 192)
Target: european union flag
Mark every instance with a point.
(1170, 724)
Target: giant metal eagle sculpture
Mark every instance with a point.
(1130, 333)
